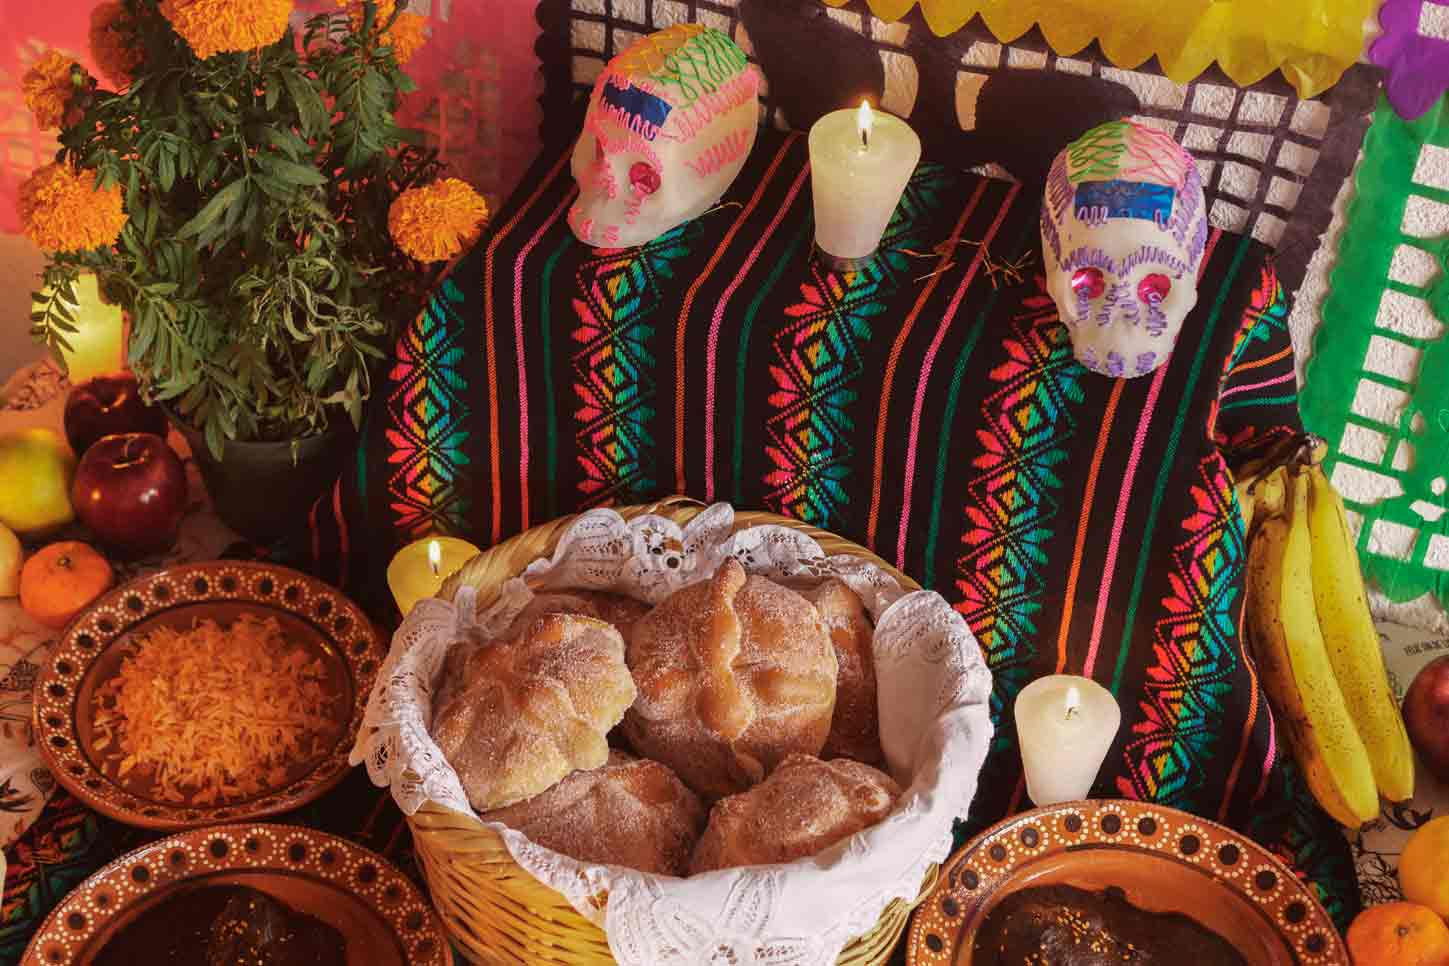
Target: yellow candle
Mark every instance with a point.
(420, 568)
(97, 347)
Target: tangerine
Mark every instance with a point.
(1399, 934)
(61, 580)
(1422, 865)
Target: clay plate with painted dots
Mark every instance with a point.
(1165, 860)
(385, 919)
(90, 650)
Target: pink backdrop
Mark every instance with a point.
(477, 76)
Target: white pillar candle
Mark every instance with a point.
(420, 568)
(860, 162)
(1064, 726)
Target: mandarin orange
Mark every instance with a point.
(60, 580)
(1399, 934)
(1422, 864)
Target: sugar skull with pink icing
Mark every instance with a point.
(1123, 228)
(669, 126)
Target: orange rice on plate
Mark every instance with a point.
(214, 713)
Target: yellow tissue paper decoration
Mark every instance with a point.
(1312, 41)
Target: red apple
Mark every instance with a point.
(1426, 716)
(130, 489)
(109, 404)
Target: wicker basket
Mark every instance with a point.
(496, 911)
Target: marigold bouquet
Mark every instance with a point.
(245, 194)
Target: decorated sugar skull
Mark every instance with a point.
(1123, 227)
(669, 126)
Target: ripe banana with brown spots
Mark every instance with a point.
(1293, 659)
(1353, 641)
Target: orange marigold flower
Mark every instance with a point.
(61, 210)
(437, 221)
(48, 88)
(406, 35)
(223, 26)
(113, 42)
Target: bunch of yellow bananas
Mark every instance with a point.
(1318, 653)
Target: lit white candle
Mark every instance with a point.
(1064, 726)
(860, 162)
(420, 568)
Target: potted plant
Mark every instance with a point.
(245, 195)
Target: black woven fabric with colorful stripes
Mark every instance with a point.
(928, 408)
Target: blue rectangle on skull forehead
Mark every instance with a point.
(636, 103)
(1127, 199)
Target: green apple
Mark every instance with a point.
(36, 466)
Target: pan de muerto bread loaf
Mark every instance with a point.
(854, 729)
(610, 608)
(631, 812)
(806, 805)
(734, 673)
(533, 709)
(614, 609)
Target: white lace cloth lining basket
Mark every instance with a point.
(935, 729)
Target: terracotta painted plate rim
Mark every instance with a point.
(264, 586)
(974, 874)
(344, 866)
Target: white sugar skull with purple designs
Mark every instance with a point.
(1123, 227)
(669, 126)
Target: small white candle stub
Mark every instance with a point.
(435, 556)
(1064, 725)
(860, 162)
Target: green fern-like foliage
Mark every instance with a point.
(256, 265)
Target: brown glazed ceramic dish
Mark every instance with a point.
(385, 920)
(1166, 861)
(89, 652)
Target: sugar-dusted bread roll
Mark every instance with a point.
(631, 812)
(455, 669)
(614, 609)
(734, 673)
(854, 730)
(806, 805)
(531, 710)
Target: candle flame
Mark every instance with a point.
(1073, 702)
(435, 556)
(864, 121)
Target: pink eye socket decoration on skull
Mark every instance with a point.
(1154, 288)
(644, 178)
(1089, 282)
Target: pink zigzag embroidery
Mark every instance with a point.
(629, 142)
(1157, 157)
(686, 123)
(716, 156)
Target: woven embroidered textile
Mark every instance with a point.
(1271, 161)
(928, 407)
